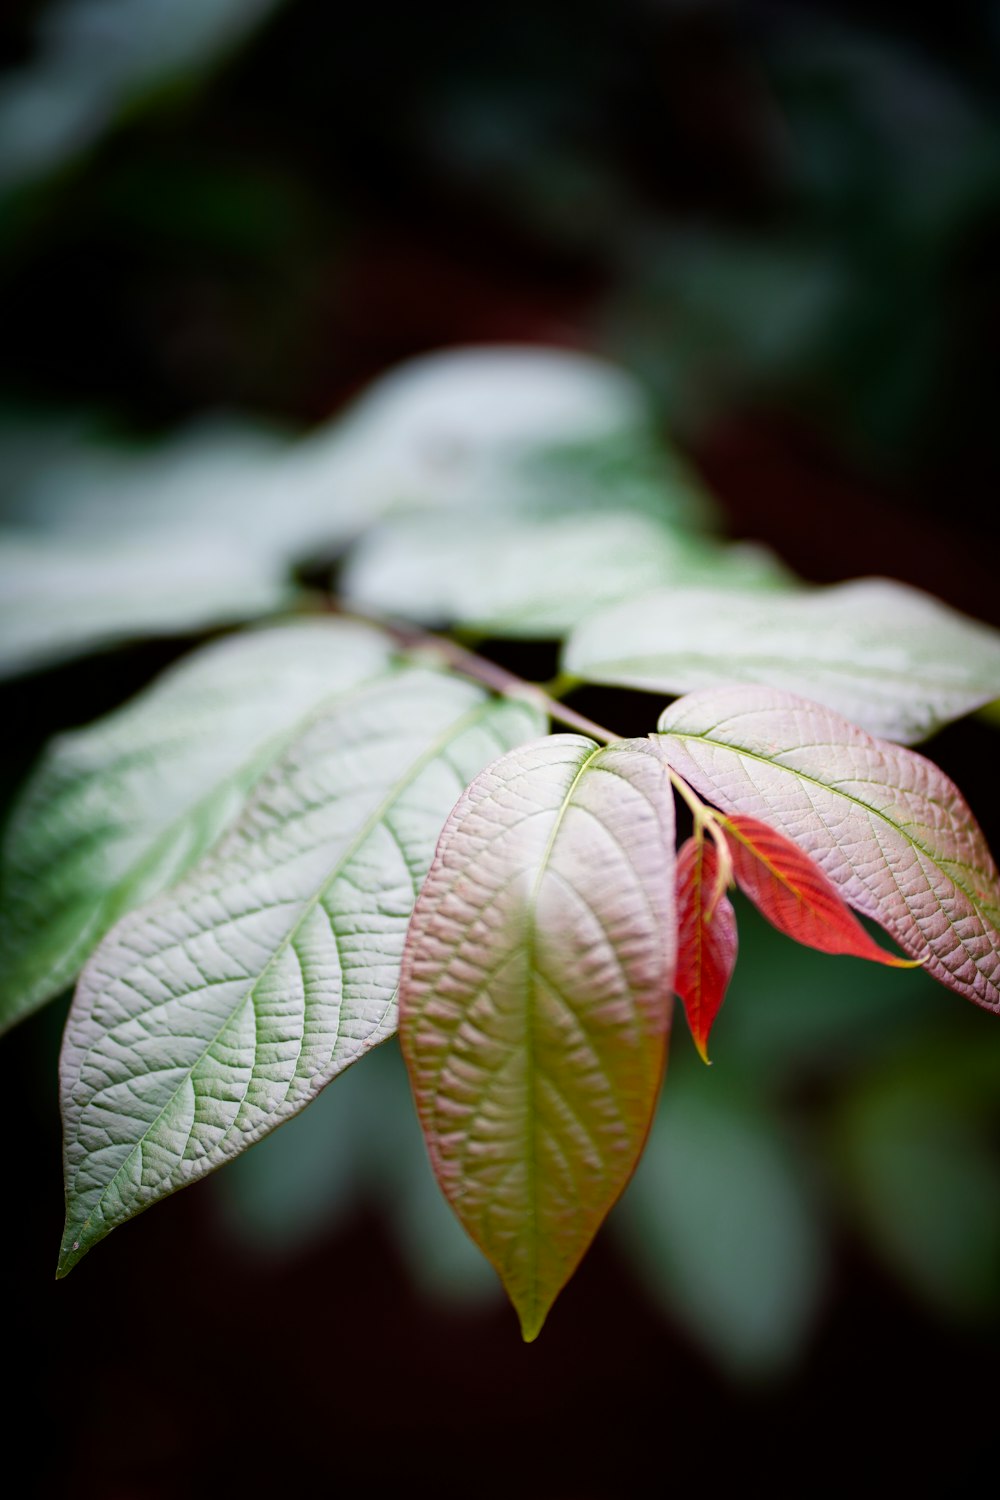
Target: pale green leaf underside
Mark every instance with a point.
(60, 598)
(892, 832)
(510, 429)
(210, 478)
(536, 1000)
(218, 1010)
(887, 657)
(119, 810)
(444, 421)
(535, 576)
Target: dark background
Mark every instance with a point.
(785, 219)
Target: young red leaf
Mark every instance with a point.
(792, 892)
(706, 938)
(887, 826)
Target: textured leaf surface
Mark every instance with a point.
(889, 658)
(790, 890)
(891, 831)
(536, 576)
(707, 940)
(218, 1010)
(535, 1000)
(118, 811)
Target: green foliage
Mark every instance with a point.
(888, 658)
(307, 830)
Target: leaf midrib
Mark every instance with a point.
(456, 728)
(530, 945)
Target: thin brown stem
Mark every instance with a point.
(439, 648)
(706, 818)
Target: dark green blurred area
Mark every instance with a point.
(785, 220)
(790, 205)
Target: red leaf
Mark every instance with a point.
(706, 938)
(886, 825)
(792, 892)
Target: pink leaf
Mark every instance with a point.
(886, 825)
(536, 997)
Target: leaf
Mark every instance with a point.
(60, 599)
(720, 1223)
(890, 830)
(222, 1007)
(94, 59)
(508, 428)
(534, 575)
(212, 475)
(792, 892)
(461, 408)
(917, 1152)
(535, 1000)
(108, 542)
(889, 658)
(706, 938)
(212, 482)
(441, 1260)
(120, 810)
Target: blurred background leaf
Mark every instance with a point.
(95, 59)
(721, 1224)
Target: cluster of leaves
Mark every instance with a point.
(308, 832)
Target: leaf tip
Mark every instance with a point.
(895, 962)
(72, 1250)
(531, 1314)
(701, 1044)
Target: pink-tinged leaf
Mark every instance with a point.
(706, 938)
(891, 831)
(788, 887)
(535, 1000)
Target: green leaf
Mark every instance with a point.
(120, 810)
(535, 576)
(109, 542)
(888, 827)
(535, 1000)
(61, 598)
(70, 480)
(720, 1225)
(222, 1007)
(887, 657)
(446, 422)
(213, 483)
(94, 59)
(509, 429)
(926, 1185)
(358, 1143)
